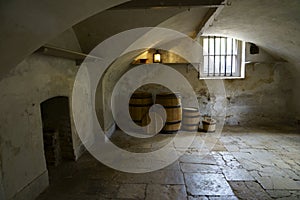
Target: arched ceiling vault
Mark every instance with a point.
(271, 24)
(101, 26)
(27, 25)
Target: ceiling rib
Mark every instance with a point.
(211, 16)
(207, 16)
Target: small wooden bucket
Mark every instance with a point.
(209, 125)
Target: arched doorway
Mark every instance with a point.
(57, 133)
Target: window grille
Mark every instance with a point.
(221, 57)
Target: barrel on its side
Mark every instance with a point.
(191, 119)
(139, 105)
(172, 104)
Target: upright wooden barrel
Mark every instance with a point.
(172, 104)
(190, 119)
(139, 105)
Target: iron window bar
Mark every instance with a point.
(208, 64)
(231, 56)
(225, 56)
(220, 59)
(214, 54)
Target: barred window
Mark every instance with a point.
(222, 57)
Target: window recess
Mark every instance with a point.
(222, 58)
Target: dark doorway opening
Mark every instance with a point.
(57, 133)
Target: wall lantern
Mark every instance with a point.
(157, 57)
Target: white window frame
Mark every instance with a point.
(240, 62)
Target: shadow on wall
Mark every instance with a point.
(57, 133)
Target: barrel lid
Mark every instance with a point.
(190, 109)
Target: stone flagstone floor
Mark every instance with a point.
(244, 163)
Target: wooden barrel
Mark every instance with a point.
(172, 104)
(191, 119)
(139, 105)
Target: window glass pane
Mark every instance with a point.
(217, 46)
(205, 64)
(234, 64)
(211, 46)
(228, 68)
(205, 46)
(217, 65)
(235, 47)
(223, 46)
(229, 47)
(211, 64)
(222, 64)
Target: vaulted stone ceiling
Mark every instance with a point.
(271, 24)
(25, 26)
(95, 29)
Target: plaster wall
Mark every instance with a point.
(34, 80)
(2, 194)
(263, 98)
(295, 101)
(105, 89)
(272, 25)
(22, 163)
(68, 40)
